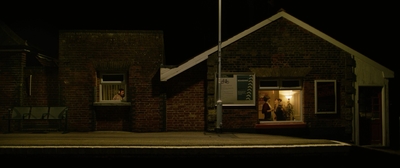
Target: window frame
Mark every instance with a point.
(279, 84)
(269, 87)
(282, 88)
(118, 82)
(290, 87)
(319, 97)
(102, 81)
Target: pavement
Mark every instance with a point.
(111, 145)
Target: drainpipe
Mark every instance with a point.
(219, 101)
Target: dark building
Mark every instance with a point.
(328, 90)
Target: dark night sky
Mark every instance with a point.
(191, 27)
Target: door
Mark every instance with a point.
(370, 115)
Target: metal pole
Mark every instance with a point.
(219, 101)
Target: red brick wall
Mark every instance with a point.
(44, 86)
(185, 106)
(282, 44)
(239, 118)
(83, 54)
(11, 72)
(113, 118)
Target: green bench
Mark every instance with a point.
(38, 118)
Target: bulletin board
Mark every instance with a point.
(237, 89)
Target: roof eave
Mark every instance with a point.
(168, 73)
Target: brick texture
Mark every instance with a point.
(84, 54)
(186, 101)
(280, 45)
(185, 104)
(11, 72)
(44, 87)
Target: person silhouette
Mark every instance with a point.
(279, 110)
(267, 109)
(120, 95)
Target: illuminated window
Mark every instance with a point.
(110, 85)
(289, 91)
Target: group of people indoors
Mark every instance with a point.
(273, 113)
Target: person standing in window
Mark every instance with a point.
(279, 110)
(120, 95)
(266, 110)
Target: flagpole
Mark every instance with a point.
(219, 101)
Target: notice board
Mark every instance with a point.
(237, 89)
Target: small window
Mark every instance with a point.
(112, 78)
(325, 97)
(269, 84)
(291, 83)
(280, 84)
(110, 86)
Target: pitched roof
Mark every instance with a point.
(9, 39)
(168, 73)
(11, 42)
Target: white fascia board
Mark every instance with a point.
(168, 73)
(387, 72)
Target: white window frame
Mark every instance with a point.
(296, 101)
(290, 87)
(322, 111)
(102, 82)
(279, 84)
(269, 87)
(279, 88)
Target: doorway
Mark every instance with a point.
(370, 115)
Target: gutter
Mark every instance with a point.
(14, 50)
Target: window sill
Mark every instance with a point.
(111, 103)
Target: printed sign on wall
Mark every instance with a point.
(237, 89)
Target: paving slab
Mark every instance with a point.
(119, 138)
(173, 145)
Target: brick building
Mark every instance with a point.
(327, 89)
(95, 64)
(28, 78)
